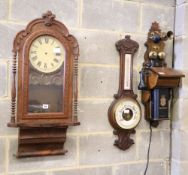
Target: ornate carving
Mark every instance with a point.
(48, 18)
(127, 45)
(155, 27)
(155, 55)
(124, 141)
(46, 79)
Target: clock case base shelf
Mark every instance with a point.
(37, 142)
(42, 124)
(34, 141)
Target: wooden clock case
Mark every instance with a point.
(42, 134)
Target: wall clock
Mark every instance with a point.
(44, 103)
(124, 114)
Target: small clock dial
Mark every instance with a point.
(46, 54)
(127, 113)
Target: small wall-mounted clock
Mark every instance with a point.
(124, 114)
(45, 101)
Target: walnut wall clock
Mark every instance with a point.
(124, 114)
(44, 103)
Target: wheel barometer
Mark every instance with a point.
(124, 114)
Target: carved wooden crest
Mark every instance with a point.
(127, 45)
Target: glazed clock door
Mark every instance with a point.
(46, 75)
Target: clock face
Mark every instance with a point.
(127, 113)
(46, 54)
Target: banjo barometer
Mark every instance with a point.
(44, 102)
(124, 113)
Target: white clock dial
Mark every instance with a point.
(46, 54)
(127, 113)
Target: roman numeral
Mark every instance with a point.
(39, 40)
(56, 60)
(34, 58)
(52, 64)
(52, 42)
(46, 40)
(39, 63)
(35, 46)
(33, 52)
(45, 65)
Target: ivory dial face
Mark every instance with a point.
(46, 54)
(127, 113)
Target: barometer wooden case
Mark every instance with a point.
(44, 87)
(124, 114)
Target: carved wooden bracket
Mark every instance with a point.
(124, 141)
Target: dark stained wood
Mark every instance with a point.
(124, 46)
(155, 73)
(38, 125)
(124, 141)
(41, 141)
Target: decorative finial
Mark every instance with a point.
(155, 27)
(127, 45)
(48, 17)
(127, 37)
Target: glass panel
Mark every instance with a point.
(46, 56)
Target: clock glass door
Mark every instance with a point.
(46, 75)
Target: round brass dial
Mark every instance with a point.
(125, 113)
(46, 54)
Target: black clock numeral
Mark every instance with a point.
(45, 66)
(39, 63)
(40, 41)
(35, 46)
(33, 52)
(46, 40)
(34, 58)
(56, 60)
(52, 42)
(52, 64)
